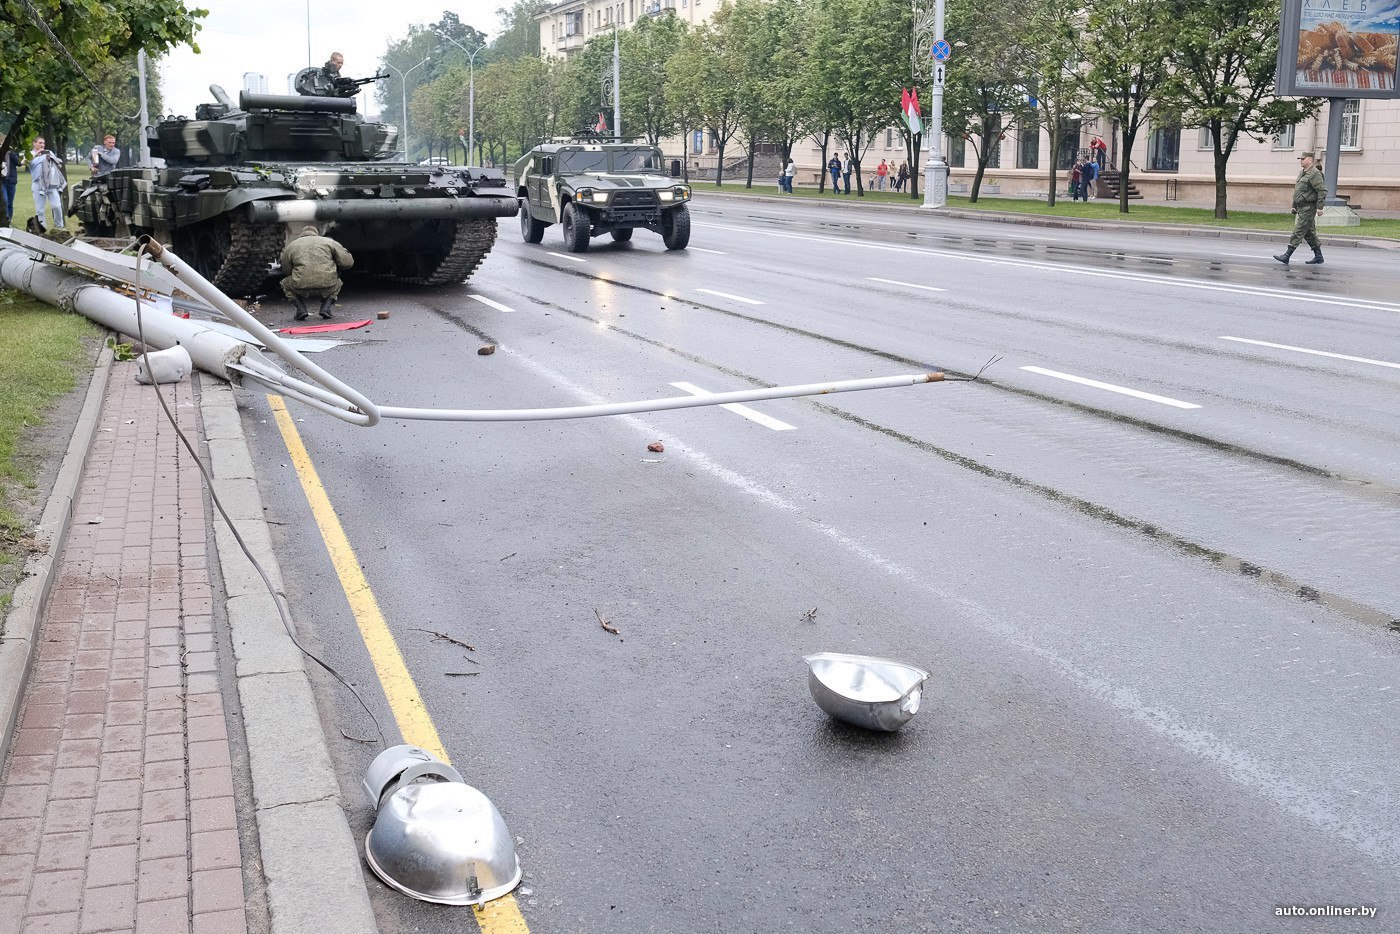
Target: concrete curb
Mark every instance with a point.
(1072, 223)
(21, 625)
(310, 859)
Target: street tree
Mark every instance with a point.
(860, 58)
(1124, 45)
(55, 55)
(648, 111)
(702, 72)
(1223, 59)
(1050, 50)
(520, 32)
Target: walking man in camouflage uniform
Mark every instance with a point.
(1309, 193)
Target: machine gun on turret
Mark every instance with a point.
(321, 82)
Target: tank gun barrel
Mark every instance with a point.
(340, 105)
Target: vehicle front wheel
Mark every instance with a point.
(675, 228)
(531, 229)
(622, 234)
(576, 229)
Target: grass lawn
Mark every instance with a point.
(41, 351)
(1093, 210)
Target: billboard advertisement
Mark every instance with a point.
(1339, 48)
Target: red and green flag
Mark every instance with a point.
(910, 106)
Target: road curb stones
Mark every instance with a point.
(309, 856)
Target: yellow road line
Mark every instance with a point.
(501, 916)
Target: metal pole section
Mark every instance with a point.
(308, 33)
(1333, 162)
(617, 86)
(936, 170)
(403, 100)
(471, 93)
(143, 152)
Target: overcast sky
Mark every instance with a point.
(269, 36)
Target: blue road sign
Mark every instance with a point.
(942, 51)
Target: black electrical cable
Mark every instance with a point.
(44, 27)
(278, 598)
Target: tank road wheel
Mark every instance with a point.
(622, 234)
(230, 252)
(531, 229)
(463, 249)
(576, 229)
(675, 228)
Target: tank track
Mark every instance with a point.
(252, 249)
(471, 241)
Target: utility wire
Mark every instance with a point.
(278, 599)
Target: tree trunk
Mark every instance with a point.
(719, 167)
(1221, 160)
(822, 174)
(1054, 160)
(748, 182)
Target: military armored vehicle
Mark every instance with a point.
(236, 178)
(594, 187)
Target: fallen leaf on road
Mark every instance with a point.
(656, 447)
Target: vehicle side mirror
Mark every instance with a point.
(675, 168)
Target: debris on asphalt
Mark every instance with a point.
(486, 350)
(607, 626)
(383, 316)
(810, 616)
(461, 674)
(356, 739)
(656, 447)
(325, 328)
(650, 460)
(511, 555)
(444, 637)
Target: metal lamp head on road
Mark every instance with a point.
(874, 693)
(436, 838)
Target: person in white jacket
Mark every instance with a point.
(788, 174)
(47, 183)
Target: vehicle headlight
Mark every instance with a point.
(667, 195)
(679, 193)
(599, 197)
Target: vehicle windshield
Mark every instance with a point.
(614, 160)
(576, 162)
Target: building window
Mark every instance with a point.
(573, 23)
(1286, 139)
(1205, 138)
(889, 138)
(1070, 132)
(1164, 149)
(697, 142)
(1028, 147)
(957, 152)
(1351, 125)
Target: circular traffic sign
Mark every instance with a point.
(942, 51)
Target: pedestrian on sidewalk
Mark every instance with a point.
(788, 174)
(903, 176)
(1076, 177)
(47, 184)
(882, 172)
(847, 173)
(1090, 179)
(1309, 194)
(834, 167)
(313, 263)
(9, 178)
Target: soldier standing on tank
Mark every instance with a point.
(312, 264)
(1309, 193)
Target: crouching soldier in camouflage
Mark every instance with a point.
(1309, 194)
(312, 264)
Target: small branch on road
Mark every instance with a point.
(511, 555)
(444, 637)
(356, 739)
(810, 616)
(607, 626)
(461, 674)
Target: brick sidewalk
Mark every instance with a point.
(116, 804)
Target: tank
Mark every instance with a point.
(237, 179)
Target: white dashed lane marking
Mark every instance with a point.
(1135, 393)
(1316, 353)
(907, 285)
(766, 421)
(489, 303)
(576, 259)
(734, 298)
(703, 250)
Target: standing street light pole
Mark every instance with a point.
(143, 150)
(471, 93)
(403, 97)
(617, 86)
(929, 35)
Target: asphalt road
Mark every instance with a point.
(1164, 680)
